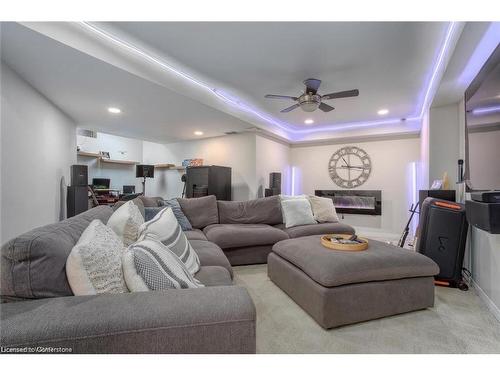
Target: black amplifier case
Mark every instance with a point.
(442, 235)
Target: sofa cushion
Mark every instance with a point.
(257, 211)
(165, 228)
(240, 235)
(200, 211)
(214, 276)
(210, 254)
(94, 266)
(331, 268)
(34, 263)
(150, 265)
(126, 221)
(312, 229)
(195, 234)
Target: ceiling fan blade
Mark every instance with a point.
(312, 85)
(269, 96)
(340, 94)
(325, 107)
(291, 108)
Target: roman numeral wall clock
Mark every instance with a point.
(350, 167)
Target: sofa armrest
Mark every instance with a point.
(204, 320)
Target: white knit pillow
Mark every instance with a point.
(150, 265)
(323, 209)
(126, 221)
(94, 265)
(165, 228)
(297, 211)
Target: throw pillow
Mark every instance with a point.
(126, 221)
(179, 215)
(165, 229)
(297, 212)
(150, 265)
(94, 265)
(323, 209)
(137, 201)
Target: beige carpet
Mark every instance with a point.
(458, 323)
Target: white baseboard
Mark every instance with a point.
(491, 305)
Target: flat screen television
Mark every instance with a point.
(482, 130)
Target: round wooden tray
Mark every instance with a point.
(325, 241)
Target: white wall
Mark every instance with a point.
(272, 156)
(444, 143)
(38, 144)
(119, 148)
(391, 172)
(235, 151)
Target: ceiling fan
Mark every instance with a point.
(310, 100)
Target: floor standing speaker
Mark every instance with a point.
(441, 236)
(79, 175)
(77, 200)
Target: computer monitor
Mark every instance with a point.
(128, 189)
(100, 183)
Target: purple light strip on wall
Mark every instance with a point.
(485, 110)
(237, 103)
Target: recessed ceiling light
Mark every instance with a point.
(383, 111)
(114, 110)
(198, 132)
(309, 121)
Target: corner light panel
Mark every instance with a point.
(114, 110)
(382, 112)
(485, 110)
(309, 121)
(198, 132)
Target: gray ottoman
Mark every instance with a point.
(339, 287)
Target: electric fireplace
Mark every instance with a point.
(361, 202)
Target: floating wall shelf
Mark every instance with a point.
(164, 166)
(169, 166)
(113, 161)
(88, 154)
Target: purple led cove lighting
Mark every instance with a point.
(237, 103)
(483, 51)
(481, 111)
(438, 65)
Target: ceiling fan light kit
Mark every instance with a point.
(310, 100)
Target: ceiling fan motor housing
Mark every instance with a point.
(309, 102)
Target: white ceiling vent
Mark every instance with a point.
(87, 133)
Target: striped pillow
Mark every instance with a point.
(150, 265)
(165, 228)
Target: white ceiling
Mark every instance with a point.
(83, 87)
(390, 63)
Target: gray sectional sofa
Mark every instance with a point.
(246, 231)
(38, 309)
